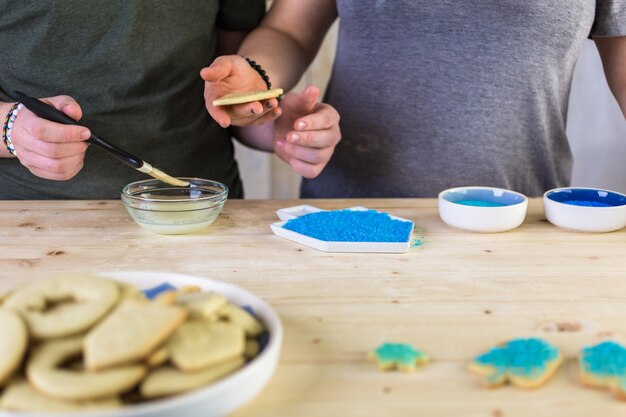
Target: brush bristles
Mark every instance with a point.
(168, 179)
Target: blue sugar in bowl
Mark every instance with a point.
(482, 209)
(585, 209)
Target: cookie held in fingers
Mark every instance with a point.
(168, 380)
(44, 372)
(130, 333)
(200, 344)
(13, 343)
(525, 363)
(241, 98)
(63, 306)
(21, 396)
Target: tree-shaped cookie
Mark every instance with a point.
(526, 363)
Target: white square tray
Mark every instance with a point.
(289, 213)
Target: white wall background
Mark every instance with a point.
(596, 129)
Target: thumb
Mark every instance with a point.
(218, 70)
(66, 104)
(305, 101)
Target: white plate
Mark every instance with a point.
(289, 213)
(217, 399)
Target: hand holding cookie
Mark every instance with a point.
(231, 74)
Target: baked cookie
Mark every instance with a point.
(242, 318)
(130, 291)
(199, 344)
(604, 366)
(168, 380)
(130, 333)
(63, 306)
(158, 357)
(240, 98)
(401, 356)
(13, 343)
(252, 348)
(21, 396)
(202, 305)
(526, 363)
(44, 373)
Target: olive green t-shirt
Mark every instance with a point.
(133, 66)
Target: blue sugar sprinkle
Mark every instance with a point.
(587, 203)
(351, 226)
(524, 357)
(479, 203)
(605, 359)
(151, 293)
(417, 242)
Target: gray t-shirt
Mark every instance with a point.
(134, 68)
(436, 94)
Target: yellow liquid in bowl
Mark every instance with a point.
(175, 219)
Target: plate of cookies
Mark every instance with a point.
(130, 344)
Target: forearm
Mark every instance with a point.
(613, 53)
(289, 38)
(256, 137)
(279, 54)
(4, 110)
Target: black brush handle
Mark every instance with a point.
(46, 111)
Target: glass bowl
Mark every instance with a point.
(585, 209)
(482, 209)
(171, 210)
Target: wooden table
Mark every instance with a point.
(453, 297)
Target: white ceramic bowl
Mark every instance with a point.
(219, 398)
(482, 209)
(585, 209)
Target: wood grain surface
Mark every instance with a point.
(453, 296)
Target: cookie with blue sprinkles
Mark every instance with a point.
(400, 356)
(525, 363)
(604, 366)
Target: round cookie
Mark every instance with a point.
(13, 343)
(63, 306)
(44, 374)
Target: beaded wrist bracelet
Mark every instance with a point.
(7, 127)
(261, 72)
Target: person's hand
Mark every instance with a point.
(51, 150)
(306, 134)
(232, 74)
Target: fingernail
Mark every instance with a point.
(295, 138)
(270, 105)
(85, 134)
(252, 110)
(280, 143)
(301, 125)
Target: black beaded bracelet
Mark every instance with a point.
(261, 72)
